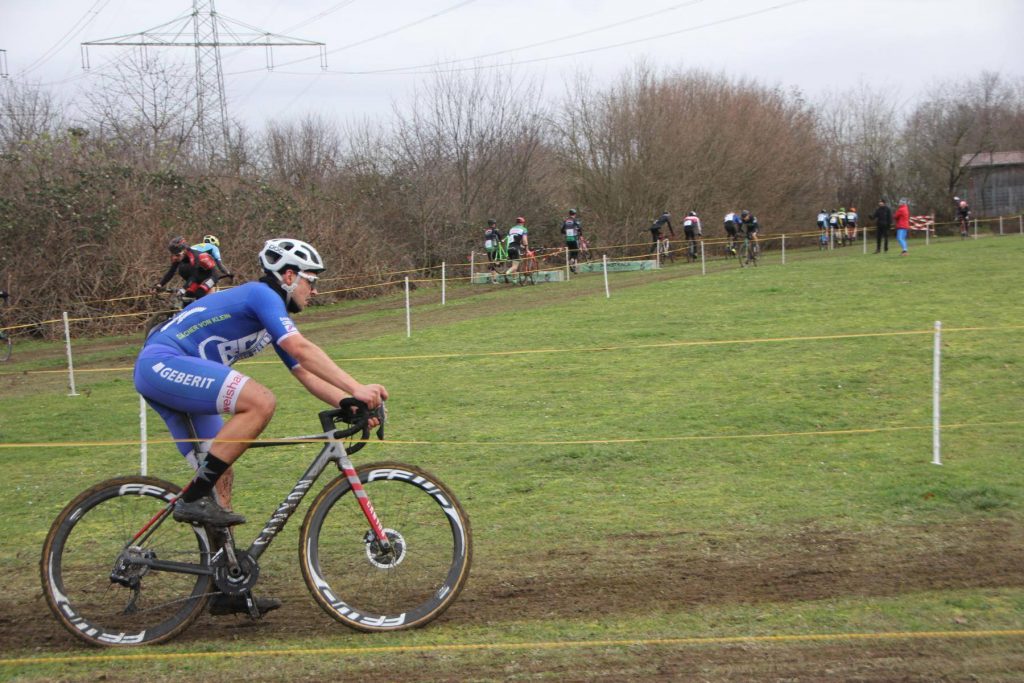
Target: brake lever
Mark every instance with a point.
(382, 415)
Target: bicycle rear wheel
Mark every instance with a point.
(90, 543)
(5, 347)
(359, 585)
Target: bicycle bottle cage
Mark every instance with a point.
(357, 414)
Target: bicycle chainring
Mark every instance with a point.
(235, 582)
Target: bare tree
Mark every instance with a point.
(144, 107)
(955, 120)
(28, 114)
(468, 147)
(302, 154)
(688, 140)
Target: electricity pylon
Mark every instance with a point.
(207, 29)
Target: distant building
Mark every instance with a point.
(994, 182)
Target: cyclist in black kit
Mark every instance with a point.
(749, 224)
(663, 219)
(195, 267)
(963, 215)
(493, 247)
(572, 230)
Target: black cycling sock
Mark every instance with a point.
(207, 474)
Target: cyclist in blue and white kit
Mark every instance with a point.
(184, 371)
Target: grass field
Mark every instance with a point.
(714, 478)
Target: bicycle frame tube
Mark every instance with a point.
(333, 451)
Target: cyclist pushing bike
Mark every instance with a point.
(184, 373)
(573, 232)
(494, 247)
(750, 227)
(664, 219)
(963, 216)
(692, 231)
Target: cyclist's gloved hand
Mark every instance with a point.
(370, 394)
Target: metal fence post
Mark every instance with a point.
(936, 387)
(71, 364)
(408, 315)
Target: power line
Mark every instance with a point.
(67, 37)
(451, 8)
(415, 70)
(719, 22)
(559, 39)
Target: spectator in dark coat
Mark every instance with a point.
(883, 221)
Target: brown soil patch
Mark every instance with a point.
(638, 574)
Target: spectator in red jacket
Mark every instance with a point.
(902, 221)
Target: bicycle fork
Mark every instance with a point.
(377, 533)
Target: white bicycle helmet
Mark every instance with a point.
(279, 255)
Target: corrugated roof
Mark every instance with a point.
(992, 159)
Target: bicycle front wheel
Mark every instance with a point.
(367, 589)
(95, 578)
(5, 347)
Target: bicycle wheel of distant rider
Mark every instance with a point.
(742, 252)
(5, 347)
(91, 539)
(360, 586)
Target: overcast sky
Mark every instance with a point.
(816, 45)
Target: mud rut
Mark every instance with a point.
(633, 575)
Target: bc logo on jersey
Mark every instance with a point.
(227, 351)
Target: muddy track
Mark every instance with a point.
(637, 574)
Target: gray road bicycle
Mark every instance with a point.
(748, 252)
(383, 547)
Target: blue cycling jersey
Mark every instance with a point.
(183, 369)
(213, 250)
(231, 325)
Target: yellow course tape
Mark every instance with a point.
(591, 349)
(539, 645)
(539, 442)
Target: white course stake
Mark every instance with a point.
(444, 282)
(607, 292)
(71, 364)
(783, 250)
(144, 432)
(703, 263)
(408, 315)
(936, 390)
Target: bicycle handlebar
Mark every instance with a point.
(356, 413)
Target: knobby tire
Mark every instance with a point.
(369, 592)
(84, 546)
